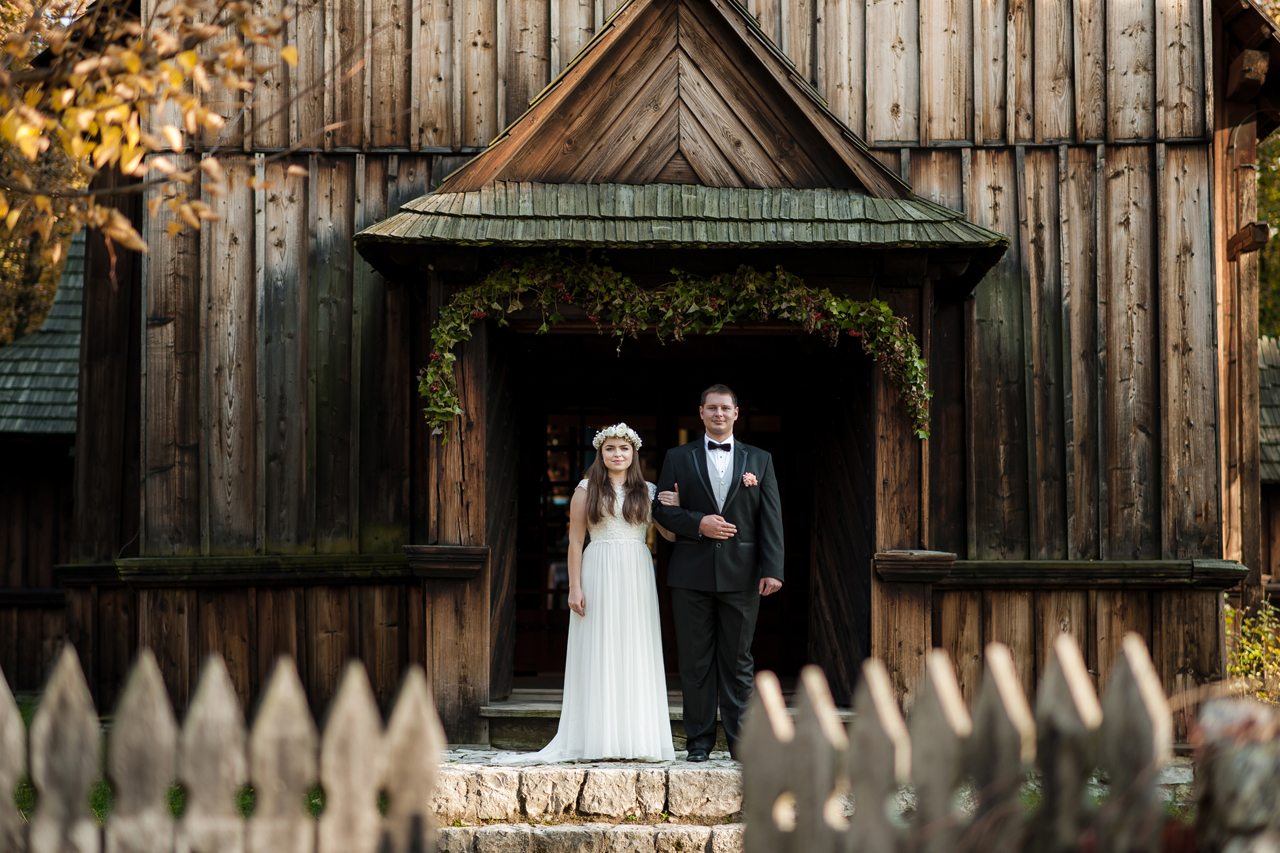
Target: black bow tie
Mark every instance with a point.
(711, 445)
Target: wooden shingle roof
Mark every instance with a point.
(1269, 407)
(40, 373)
(623, 215)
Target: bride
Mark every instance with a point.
(615, 685)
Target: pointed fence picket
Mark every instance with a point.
(142, 754)
(809, 785)
(13, 766)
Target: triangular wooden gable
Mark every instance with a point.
(680, 91)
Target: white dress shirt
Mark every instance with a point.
(718, 460)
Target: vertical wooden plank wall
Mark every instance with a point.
(1069, 344)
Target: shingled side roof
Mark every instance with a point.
(40, 373)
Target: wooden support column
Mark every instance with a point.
(901, 622)
(458, 611)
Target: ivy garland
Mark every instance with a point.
(689, 305)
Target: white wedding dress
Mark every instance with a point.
(615, 684)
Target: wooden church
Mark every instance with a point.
(1053, 195)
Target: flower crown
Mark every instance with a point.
(616, 431)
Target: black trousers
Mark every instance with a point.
(713, 638)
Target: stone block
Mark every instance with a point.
(629, 839)
(651, 790)
(609, 792)
(570, 838)
(727, 838)
(455, 795)
(674, 838)
(550, 792)
(714, 792)
(455, 839)
(497, 793)
(504, 838)
(1180, 771)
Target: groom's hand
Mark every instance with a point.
(715, 527)
(768, 586)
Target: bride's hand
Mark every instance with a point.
(577, 602)
(670, 498)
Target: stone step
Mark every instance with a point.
(590, 838)
(472, 791)
(528, 720)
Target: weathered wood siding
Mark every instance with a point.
(35, 532)
(278, 410)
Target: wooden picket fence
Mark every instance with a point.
(213, 756)
(809, 784)
(803, 776)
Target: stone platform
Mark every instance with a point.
(592, 807)
(473, 790)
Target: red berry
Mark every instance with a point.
(477, 314)
(435, 356)
(435, 387)
(594, 318)
(854, 333)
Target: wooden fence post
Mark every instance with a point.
(1002, 745)
(1136, 741)
(65, 736)
(351, 767)
(882, 750)
(142, 763)
(212, 765)
(940, 725)
(413, 742)
(282, 766)
(767, 735)
(13, 766)
(1067, 719)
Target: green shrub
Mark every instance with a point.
(1253, 652)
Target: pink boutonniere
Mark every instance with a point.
(749, 479)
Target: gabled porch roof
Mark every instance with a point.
(679, 125)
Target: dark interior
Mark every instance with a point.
(793, 391)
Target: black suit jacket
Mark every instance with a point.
(721, 565)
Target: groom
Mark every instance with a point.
(728, 553)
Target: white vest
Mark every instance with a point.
(720, 483)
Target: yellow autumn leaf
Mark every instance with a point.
(289, 54)
(44, 204)
(44, 226)
(189, 216)
(12, 219)
(4, 205)
(172, 136)
(174, 229)
(188, 60)
(297, 171)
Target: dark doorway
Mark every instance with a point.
(569, 385)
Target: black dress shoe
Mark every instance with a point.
(697, 755)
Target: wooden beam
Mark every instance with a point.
(1247, 73)
(1252, 237)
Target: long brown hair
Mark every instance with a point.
(601, 498)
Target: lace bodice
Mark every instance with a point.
(613, 525)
